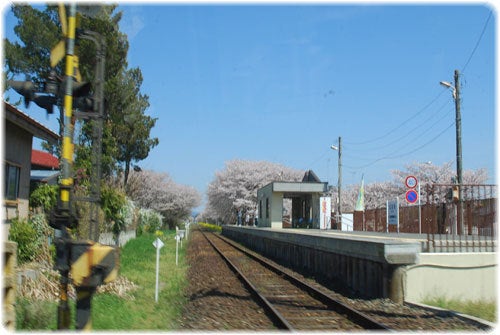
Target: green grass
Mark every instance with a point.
(482, 309)
(109, 312)
(138, 264)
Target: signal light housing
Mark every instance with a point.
(25, 88)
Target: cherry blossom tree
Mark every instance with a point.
(377, 193)
(157, 191)
(235, 187)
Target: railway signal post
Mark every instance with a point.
(88, 263)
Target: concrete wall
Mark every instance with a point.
(263, 194)
(376, 267)
(367, 267)
(107, 238)
(275, 213)
(316, 210)
(465, 276)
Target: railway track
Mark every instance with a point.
(289, 302)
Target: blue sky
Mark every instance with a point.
(282, 83)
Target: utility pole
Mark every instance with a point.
(339, 182)
(458, 125)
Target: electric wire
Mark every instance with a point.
(405, 154)
(426, 108)
(416, 136)
(392, 156)
(423, 123)
(477, 43)
(401, 124)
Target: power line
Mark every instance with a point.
(401, 124)
(477, 43)
(419, 112)
(405, 154)
(433, 100)
(423, 123)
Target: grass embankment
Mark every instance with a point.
(138, 264)
(140, 312)
(485, 310)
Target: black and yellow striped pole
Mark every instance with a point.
(89, 264)
(66, 182)
(62, 218)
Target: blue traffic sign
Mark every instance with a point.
(411, 196)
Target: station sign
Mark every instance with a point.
(393, 212)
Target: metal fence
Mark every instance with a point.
(441, 216)
(475, 214)
(459, 243)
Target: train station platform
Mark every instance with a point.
(374, 265)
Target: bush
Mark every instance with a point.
(149, 221)
(39, 223)
(211, 227)
(43, 231)
(112, 203)
(44, 196)
(24, 234)
(128, 214)
(34, 314)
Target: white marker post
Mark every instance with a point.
(177, 238)
(181, 235)
(158, 244)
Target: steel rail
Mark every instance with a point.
(276, 316)
(355, 316)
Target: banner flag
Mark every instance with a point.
(360, 204)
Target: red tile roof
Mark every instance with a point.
(44, 159)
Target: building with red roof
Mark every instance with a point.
(41, 160)
(18, 131)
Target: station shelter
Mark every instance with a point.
(305, 196)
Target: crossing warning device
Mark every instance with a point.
(93, 264)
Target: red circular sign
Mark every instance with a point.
(411, 181)
(411, 196)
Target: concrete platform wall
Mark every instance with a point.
(463, 276)
(364, 268)
(375, 268)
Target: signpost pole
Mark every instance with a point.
(419, 211)
(158, 244)
(176, 249)
(397, 206)
(157, 272)
(387, 217)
